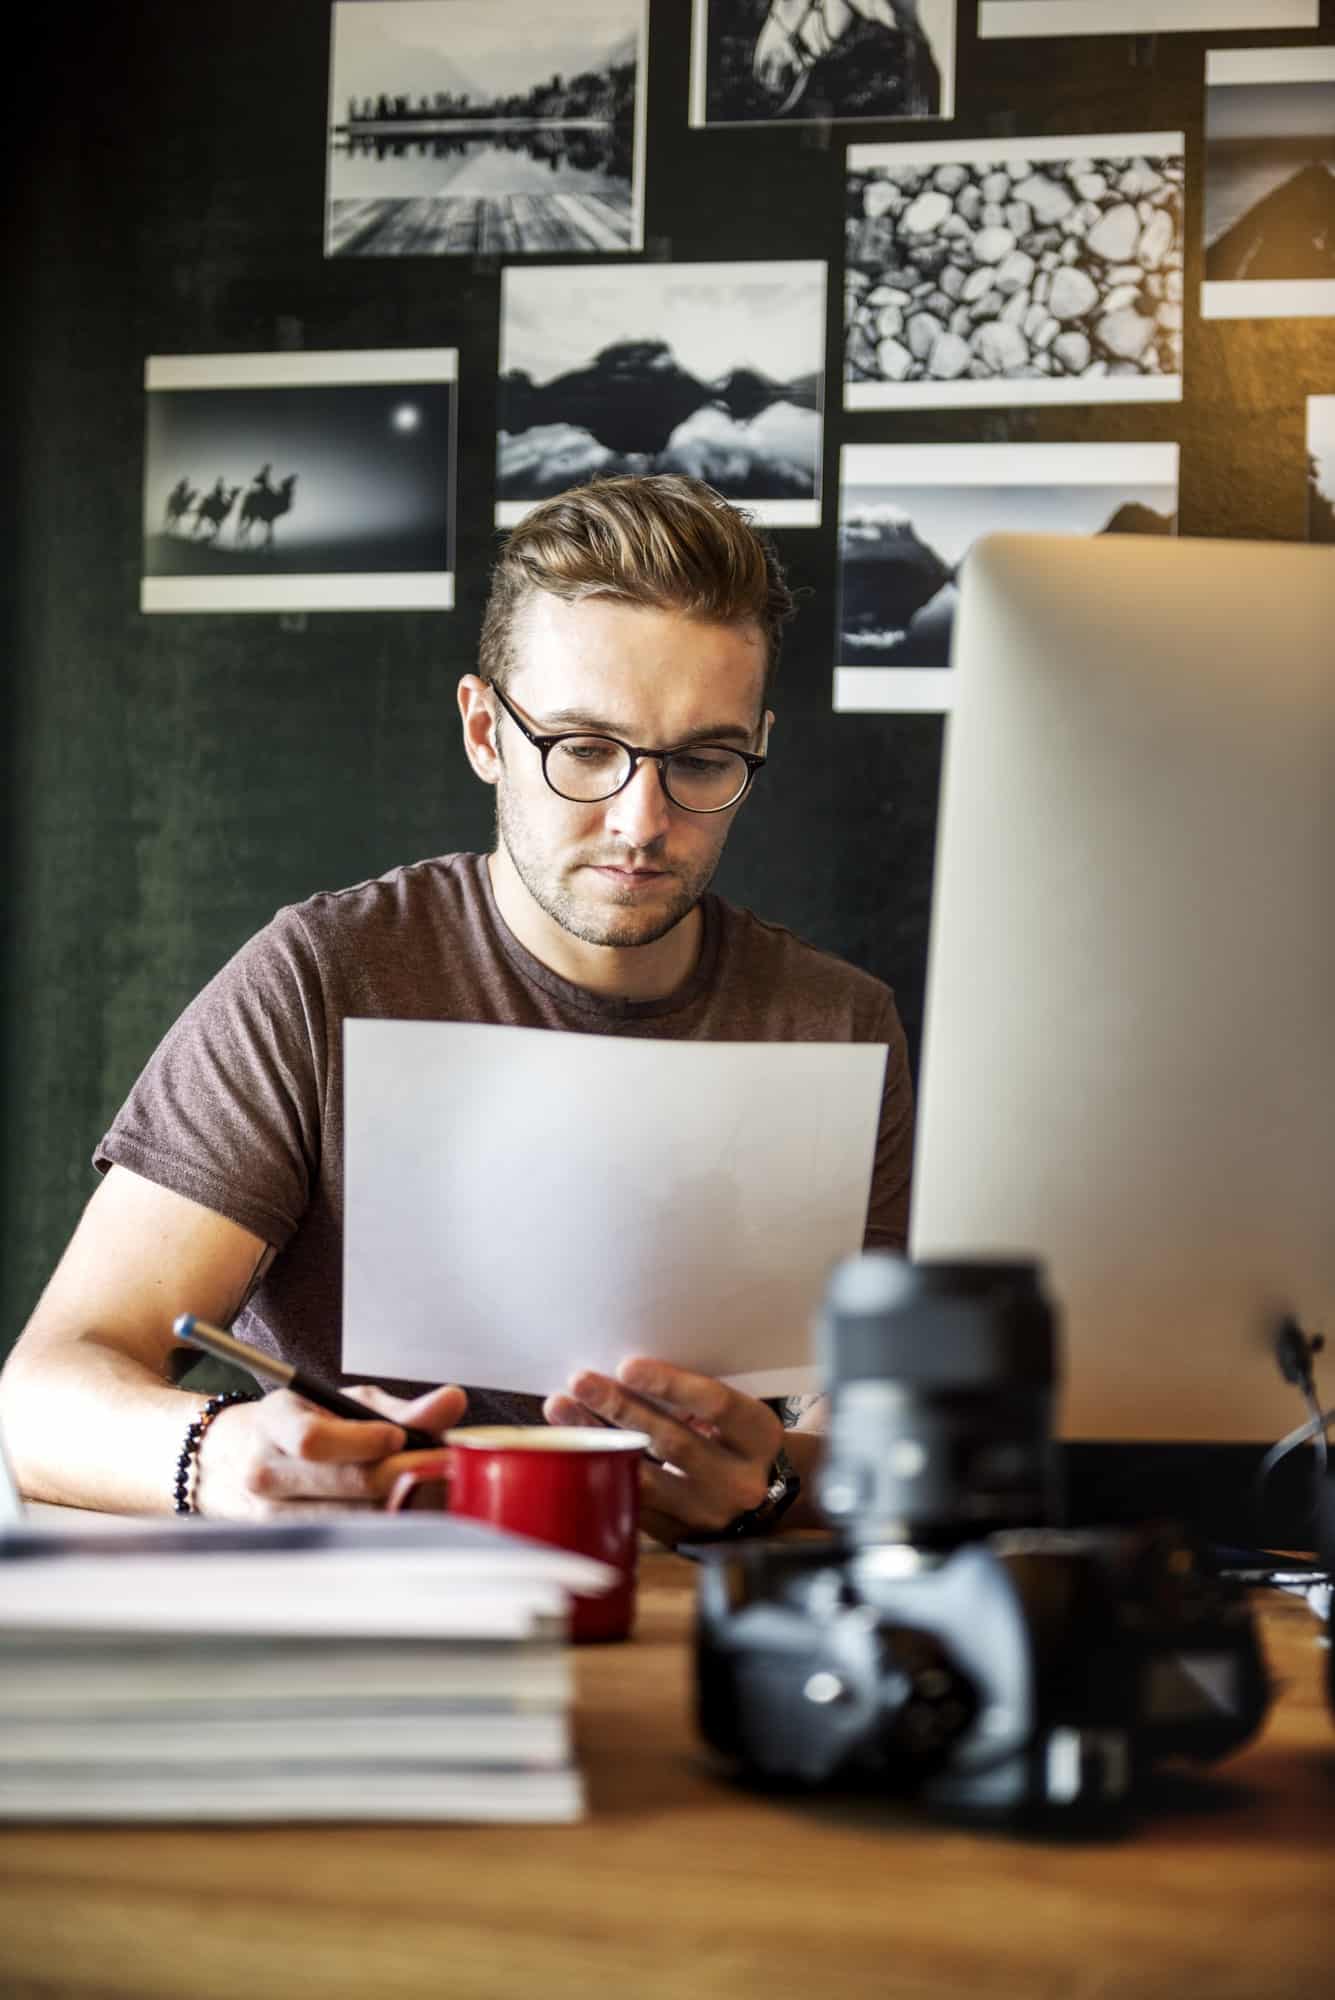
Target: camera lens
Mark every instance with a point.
(940, 1377)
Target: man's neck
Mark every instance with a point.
(615, 972)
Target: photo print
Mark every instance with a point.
(1321, 468)
(1001, 20)
(908, 516)
(1007, 271)
(299, 482)
(486, 127)
(1268, 219)
(716, 370)
(764, 62)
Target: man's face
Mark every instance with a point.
(623, 871)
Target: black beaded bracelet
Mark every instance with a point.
(194, 1437)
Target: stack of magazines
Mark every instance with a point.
(406, 1667)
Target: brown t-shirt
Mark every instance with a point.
(241, 1106)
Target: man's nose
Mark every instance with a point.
(642, 812)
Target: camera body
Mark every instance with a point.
(945, 1642)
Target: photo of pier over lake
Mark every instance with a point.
(486, 127)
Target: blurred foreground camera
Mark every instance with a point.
(947, 1642)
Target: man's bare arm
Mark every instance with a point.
(87, 1408)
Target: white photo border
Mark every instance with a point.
(1018, 20)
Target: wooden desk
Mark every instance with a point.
(678, 1884)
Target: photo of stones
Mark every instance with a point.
(716, 370)
(1014, 271)
(1268, 218)
(758, 62)
(491, 127)
(1007, 19)
(1321, 468)
(299, 482)
(908, 516)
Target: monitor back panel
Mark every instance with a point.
(1129, 1059)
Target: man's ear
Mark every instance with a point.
(767, 723)
(479, 726)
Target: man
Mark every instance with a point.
(620, 716)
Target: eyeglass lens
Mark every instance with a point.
(586, 768)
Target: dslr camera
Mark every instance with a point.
(944, 1641)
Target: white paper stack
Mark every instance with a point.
(381, 1669)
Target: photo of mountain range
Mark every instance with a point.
(715, 370)
(1268, 217)
(493, 127)
(909, 514)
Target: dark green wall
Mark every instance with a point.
(173, 779)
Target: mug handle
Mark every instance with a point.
(435, 1470)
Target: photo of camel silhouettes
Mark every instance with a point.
(193, 515)
(485, 127)
(1269, 208)
(293, 481)
(756, 62)
(908, 516)
(716, 370)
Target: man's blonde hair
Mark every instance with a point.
(663, 541)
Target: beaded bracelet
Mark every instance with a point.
(186, 1464)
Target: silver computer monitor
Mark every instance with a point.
(1129, 1051)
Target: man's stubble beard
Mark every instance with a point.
(555, 897)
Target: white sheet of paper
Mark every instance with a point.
(520, 1203)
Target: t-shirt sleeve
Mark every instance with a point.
(892, 1173)
(227, 1109)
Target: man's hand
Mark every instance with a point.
(711, 1447)
(283, 1456)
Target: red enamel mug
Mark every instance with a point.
(575, 1486)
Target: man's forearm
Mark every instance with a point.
(90, 1426)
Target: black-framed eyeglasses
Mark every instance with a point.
(585, 767)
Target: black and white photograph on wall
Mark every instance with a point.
(765, 62)
(1004, 20)
(716, 370)
(1008, 271)
(486, 127)
(1268, 218)
(908, 516)
(299, 482)
(1321, 468)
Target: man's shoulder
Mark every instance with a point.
(772, 959)
(434, 890)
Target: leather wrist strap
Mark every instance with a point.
(784, 1487)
